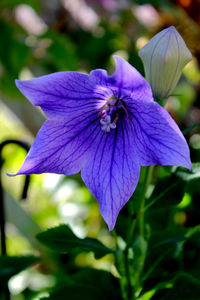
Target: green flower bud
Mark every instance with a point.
(164, 58)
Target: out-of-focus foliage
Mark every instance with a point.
(62, 240)
(38, 37)
(9, 266)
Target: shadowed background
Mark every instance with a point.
(41, 37)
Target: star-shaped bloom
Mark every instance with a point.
(105, 126)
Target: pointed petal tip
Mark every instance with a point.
(186, 163)
(189, 165)
(115, 56)
(21, 86)
(11, 175)
(109, 215)
(171, 28)
(117, 59)
(30, 89)
(16, 174)
(109, 219)
(19, 83)
(111, 226)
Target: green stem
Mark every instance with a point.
(127, 266)
(121, 265)
(131, 232)
(129, 288)
(141, 242)
(146, 180)
(138, 213)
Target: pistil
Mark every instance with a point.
(113, 110)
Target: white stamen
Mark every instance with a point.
(113, 125)
(106, 120)
(106, 124)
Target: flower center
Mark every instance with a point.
(112, 111)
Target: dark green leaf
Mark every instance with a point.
(191, 258)
(171, 251)
(88, 284)
(61, 239)
(160, 206)
(163, 256)
(168, 191)
(185, 287)
(11, 265)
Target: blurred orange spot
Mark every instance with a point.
(185, 3)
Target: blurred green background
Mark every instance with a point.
(38, 37)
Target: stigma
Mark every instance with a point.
(107, 124)
(111, 112)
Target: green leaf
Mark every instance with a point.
(167, 193)
(162, 255)
(171, 251)
(185, 287)
(61, 239)
(11, 265)
(88, 284)
(190, 254)
(74, 292)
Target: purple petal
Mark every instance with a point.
(63, 94)
(127, 77)
(126, 81)
(61, 147)
(156, 137)
(112, 171)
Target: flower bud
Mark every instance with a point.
(164, 58)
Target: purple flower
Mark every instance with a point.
(104, 126)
